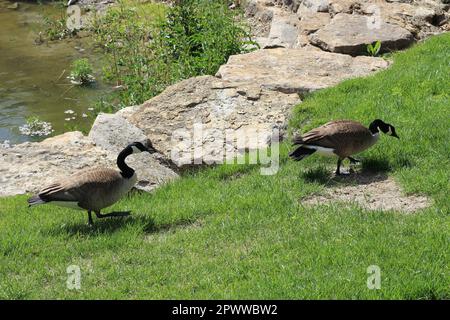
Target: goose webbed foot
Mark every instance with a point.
(113, 214)
(90, 222)
(338, 169)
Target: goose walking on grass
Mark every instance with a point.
(341, 138)
(93, 189)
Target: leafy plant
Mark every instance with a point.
(149, 47)
(374, 49)
(200, 35)
(81, 72)
(55, 26)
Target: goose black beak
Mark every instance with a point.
(396, 136)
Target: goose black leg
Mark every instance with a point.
(353, 160)
(338, 169)
(90, 222)
(112, 214)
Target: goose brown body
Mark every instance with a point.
(341, 138)
(95, 188)
(91, 189)
(345, 137)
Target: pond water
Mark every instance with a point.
(33, 78)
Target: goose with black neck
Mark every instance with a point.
(341, 138)
(94, 189)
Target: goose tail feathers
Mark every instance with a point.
(35, 200)
(301, 153)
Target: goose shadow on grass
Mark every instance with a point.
(369, 171)
(111, 225)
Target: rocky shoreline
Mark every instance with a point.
(306, 45)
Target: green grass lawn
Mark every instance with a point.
(229, 232)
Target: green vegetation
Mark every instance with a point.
(150, 46)
(198, 36)
(34, 123)
(374, 48)
(229, 232)
(34, 126)
(81, 72)
(55, 24)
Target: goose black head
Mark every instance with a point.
(379, 125)
(138, 147)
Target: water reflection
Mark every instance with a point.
(32, 77)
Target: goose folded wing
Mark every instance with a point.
(81, 185)
(330, 135)
(56, 192)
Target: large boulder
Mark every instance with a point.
(296, 70)
(274, 25)
(350, 34)
(312, 21)
(191, 121)
(421, 18)
(283, 32)
(112, 132)
(345, 6)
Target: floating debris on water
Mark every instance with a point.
(86, 80)
(36, 127)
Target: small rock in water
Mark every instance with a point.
(5, 144)
(13, 6)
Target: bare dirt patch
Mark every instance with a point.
(373, 191)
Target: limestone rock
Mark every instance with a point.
(350, 34)
(296, 70)
(191, 120)
(283, 32)
(343, 6)
(259, 16)
(311, 22)
(113, 133)
(314, 5)
(29, 166)
(421, 18)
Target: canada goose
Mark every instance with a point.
(93, 189)
(341, 138)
